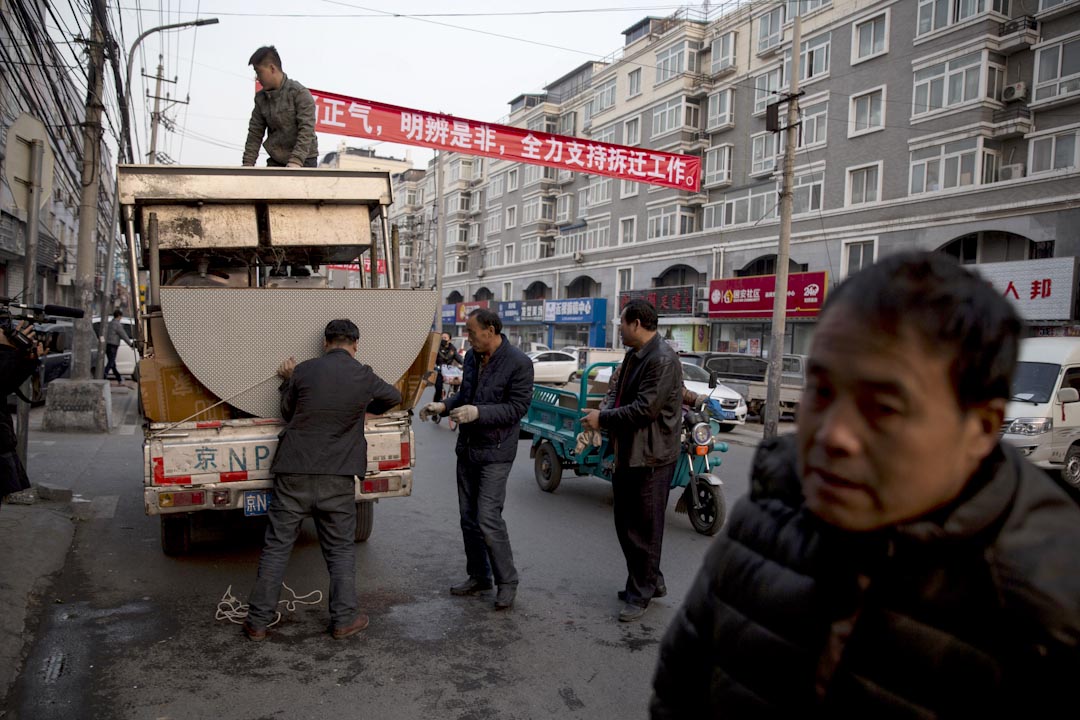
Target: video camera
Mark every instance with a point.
(12, 314)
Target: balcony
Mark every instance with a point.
(699, 86)
(1018, 34)
(1012, 122)
(564, 177)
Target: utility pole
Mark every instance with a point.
(88, 202)
(29, 288)
(155, 116)
(776, 347)
(440, 240)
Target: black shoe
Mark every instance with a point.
(472, 586)
(504, 598)
(253, 633)
(661, 591)
(631, 612)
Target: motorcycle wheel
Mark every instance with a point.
(710, 517)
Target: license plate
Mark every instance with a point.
(727, 414)
(256, 502)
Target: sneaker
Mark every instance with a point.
(631, 612)
(661, 591)
(472, 586)
(504, 598)
(253, 633)
(356, 626)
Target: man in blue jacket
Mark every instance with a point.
(496, 389)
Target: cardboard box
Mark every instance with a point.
(170, 393)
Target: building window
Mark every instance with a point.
(765, 148)
(599, 190)
(936, 15)
(944, 166)
(870, 38)
(568, 123)
(1058, 70)
(864, 184)
(507, 291)
(750, 206)
(1047, 4)
(666, 117)
(723, 52)
(511, 217)
(803, 7)
(607, 135)
(807, 193)
(628, 188)
(718, 165)
(461, 264)
(632, 131)
(867, 112)
(947, 84)
(605, 97)
(633, 83)
(537, 209)
(813, 58)
(770, 29)
(766, 86)
(512, 180)
(626, 279)
(1055, 152)
(583, 202)
(673, 61)
(496, 189)
(857, 255)
(598, 235)
(669, 221)
(493, 223)
(563, 209)
(719, 109)
(813, 129)
(627, 230)
(536, 173)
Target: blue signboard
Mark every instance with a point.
(449, 314)
(521, 312)
(576, 310)
(509, 312)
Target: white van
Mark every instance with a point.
(1042, 418)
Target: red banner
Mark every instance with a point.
(343, 115)
(355, 267)
(752, 297)
(463, 309)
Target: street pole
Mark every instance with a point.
(29, 288)
(440, 240)
(107, 290)
(155, 116)
(88, 203)
(776, 346)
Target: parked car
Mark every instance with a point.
(746, 374)
(552, 366)
(58, 339)
(127, 360)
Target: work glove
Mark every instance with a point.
(432, 410)
(700, 400)
(465, 414)
(587, 438)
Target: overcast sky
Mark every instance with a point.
(470, 65)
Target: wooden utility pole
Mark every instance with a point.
(92, 161)
(776, 346)
(440, 240)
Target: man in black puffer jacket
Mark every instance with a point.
(894, 559)
(496, 389)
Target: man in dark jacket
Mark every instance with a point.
(894, 559)
(643, 415)
(285, 112)
(320, 453)
(18, 361)
(496, 389)
(446, 357)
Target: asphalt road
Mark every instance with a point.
(131, 633)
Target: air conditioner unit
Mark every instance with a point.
(1011, 172)
(579, 257)
(480, 273)
(701, 292)
(703, 307)
(1016, 91)
(65, 278)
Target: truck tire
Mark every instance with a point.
(176, 534)
(365, 520)
(1070, 471)
(710, 518)
(548, 467)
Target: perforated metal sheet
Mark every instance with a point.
(233, 338)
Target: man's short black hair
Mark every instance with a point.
(952, 310)
(117, 313)
(265, 55)
(487, 318)
(341, 331)
(642, 311)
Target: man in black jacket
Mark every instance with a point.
(18, 361)
(319, 454)
(496, 389)
(894, 559)
(643, 415)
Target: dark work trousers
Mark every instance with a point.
(481, 495)
(310, 162)
(438, 384)
(110, 362)
(331, 501)
(641, 498)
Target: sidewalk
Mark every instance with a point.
(750, 434)
(37, 527)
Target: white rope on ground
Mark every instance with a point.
(230, 608)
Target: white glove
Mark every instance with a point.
(432, 410)
(700, 400)
(465, 414)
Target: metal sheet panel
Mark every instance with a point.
(206, 226)
(293, 224)
(233, 339)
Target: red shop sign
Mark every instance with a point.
(463, 309)
(752, 297)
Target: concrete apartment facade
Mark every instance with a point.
(949, 125)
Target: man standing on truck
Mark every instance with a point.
(643, 416)
(284, 112)
(496, 389)
(895, 558)
(321, 452)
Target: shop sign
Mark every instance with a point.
(667, 300)
(752, 297)
(532, 312)
(463, 309)
(575, 310)
(1041, 289)
(449, 313)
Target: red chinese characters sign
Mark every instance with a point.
(342, 115)
(463, 309)
(752, 297)
(355, 267)
(667, 300)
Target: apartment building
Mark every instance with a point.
(950, 125)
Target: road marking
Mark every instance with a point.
(42, 442)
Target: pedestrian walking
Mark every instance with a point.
(284, 112)
(321, 452)
(496, 389)
(115, 333)
(642, 415)
(895, 558)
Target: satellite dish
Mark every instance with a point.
(17, 169)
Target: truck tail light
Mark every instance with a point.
(180, 499)
(375, 485)
(221, 497)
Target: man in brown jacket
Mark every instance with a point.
(284, 112)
